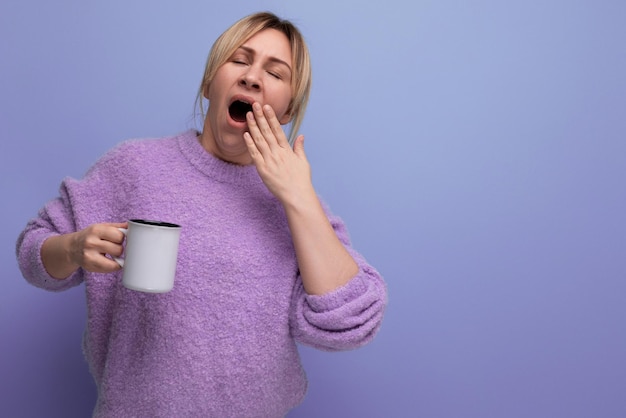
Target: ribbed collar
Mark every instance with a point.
(212, 166)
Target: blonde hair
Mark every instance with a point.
(242, 30)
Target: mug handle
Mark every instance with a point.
(120, 260)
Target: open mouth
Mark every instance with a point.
(238, 110)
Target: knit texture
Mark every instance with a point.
(222, 343)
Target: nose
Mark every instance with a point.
(251, 79)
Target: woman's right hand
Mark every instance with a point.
(64, 254)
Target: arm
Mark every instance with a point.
(339, 300)
(58, 241)
(63, 254)
(324, 263)
(349, 316)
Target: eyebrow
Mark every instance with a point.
(274, 59)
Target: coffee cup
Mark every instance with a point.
(150, 255)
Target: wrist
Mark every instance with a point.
(300, 200)
(56, 256)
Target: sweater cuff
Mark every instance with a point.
(35, 271)
(339, 297)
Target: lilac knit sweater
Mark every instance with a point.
(222, 343)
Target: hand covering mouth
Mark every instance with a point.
(238, 110)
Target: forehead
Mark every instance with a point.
(269, 43)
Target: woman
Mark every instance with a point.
(262, 263)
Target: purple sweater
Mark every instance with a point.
(222, 343)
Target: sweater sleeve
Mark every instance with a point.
(55, 218)
(345, 318)
(79, 204)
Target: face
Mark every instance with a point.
(258, 71)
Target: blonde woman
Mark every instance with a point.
(263, 263)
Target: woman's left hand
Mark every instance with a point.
(323, 261)
(285, 172)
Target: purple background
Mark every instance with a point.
(476, 151)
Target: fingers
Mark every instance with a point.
(298, 146)
(284, 170)
(252, 147)
(270, 118)
(255, 134)
(92, 244)
(112, 232)
(98, 263)
(264, 127)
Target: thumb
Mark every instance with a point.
(298, 146)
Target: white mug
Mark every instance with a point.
(150, 255)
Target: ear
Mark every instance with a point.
(205, 91)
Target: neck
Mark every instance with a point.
(237, 156)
